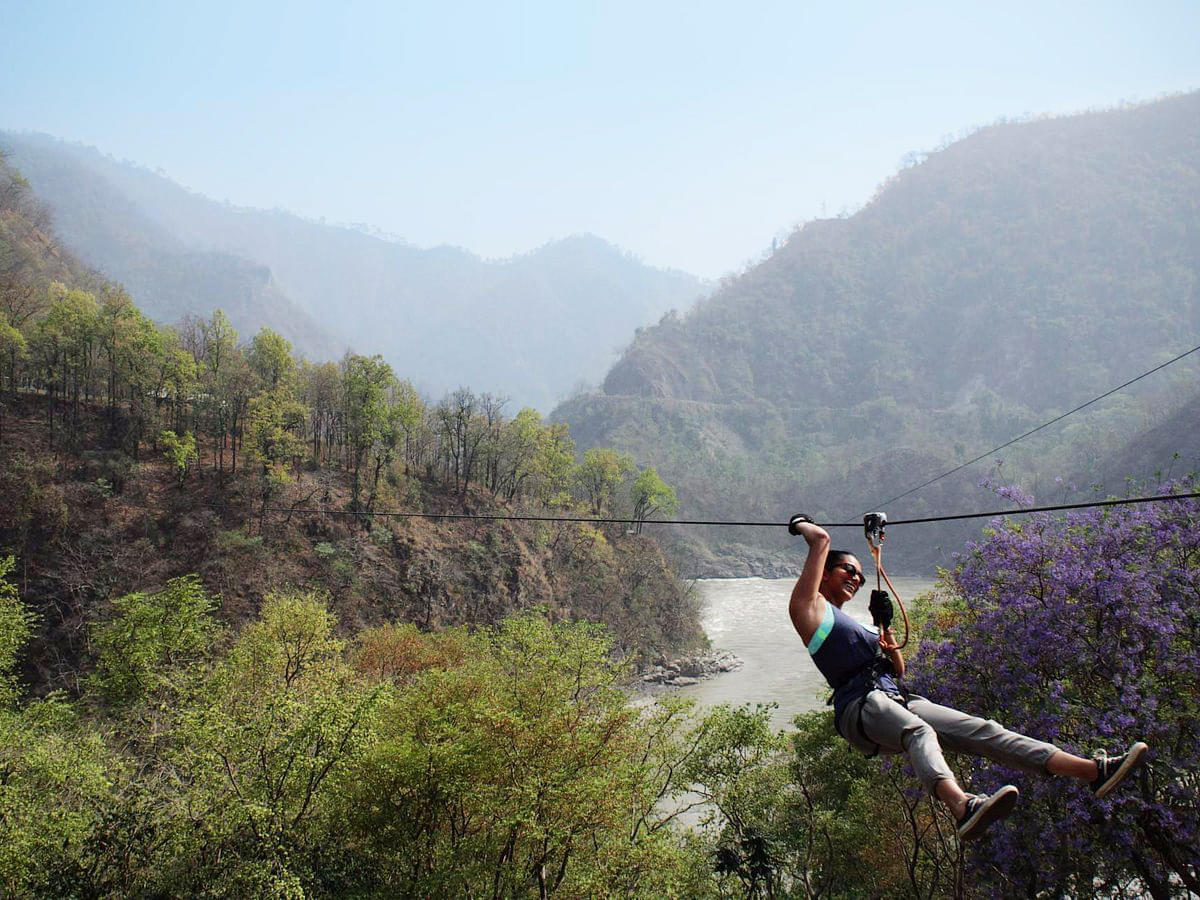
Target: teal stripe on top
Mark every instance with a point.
(822, 631)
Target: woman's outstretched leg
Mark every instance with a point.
(960, 732)
(963, 733)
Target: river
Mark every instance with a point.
(748, 617)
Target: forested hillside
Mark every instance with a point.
(530, 328)
(988, 287)
(135, 453)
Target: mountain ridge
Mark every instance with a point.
(443, 314)
(1002, 280)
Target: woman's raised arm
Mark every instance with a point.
(806, 607)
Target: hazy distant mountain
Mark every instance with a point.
(997, 283)
(529, 327)
(31, 256)
(166, 277)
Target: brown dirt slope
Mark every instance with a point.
(89, 527)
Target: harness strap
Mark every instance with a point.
(869, 668)
(858, 725)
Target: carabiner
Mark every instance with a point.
(874, 525)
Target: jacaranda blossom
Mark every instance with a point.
(1083, 630)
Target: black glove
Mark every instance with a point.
(797, 520)
(881, 609)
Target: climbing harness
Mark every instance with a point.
(875, 527)
(868, 677)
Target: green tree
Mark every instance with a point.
(180, 453)
(13, 348)
(55, 792)
(54, 775)
(320, 391)
(16, 623)
(652, 495)
(65, 343)
(519, 769)
(554, 465)
(801, 814)
(410, 420)
(600, 475)
(461, 431)
(133, 349)
(217, 349)
(517, 457)
(175, 381)
(150, 636)
(274, 443)
(259, 752)
(238, 389)
(366, 382)
(271, 359)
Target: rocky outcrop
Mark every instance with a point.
(691, 669)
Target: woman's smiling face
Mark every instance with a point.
(842, 580)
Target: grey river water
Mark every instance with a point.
(748, 617)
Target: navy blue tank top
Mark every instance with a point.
(844, 652)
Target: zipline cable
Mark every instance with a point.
(396, 514)
(1160, 498)
(1035, 430)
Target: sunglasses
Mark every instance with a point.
(851, 569)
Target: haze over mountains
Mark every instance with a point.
(994, 285)
(529, 328)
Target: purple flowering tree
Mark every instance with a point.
(1082, 630)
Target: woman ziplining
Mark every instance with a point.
(874, 713)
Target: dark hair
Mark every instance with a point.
(835, 557)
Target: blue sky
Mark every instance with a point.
(690, 134)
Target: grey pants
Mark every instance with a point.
(880, 722)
